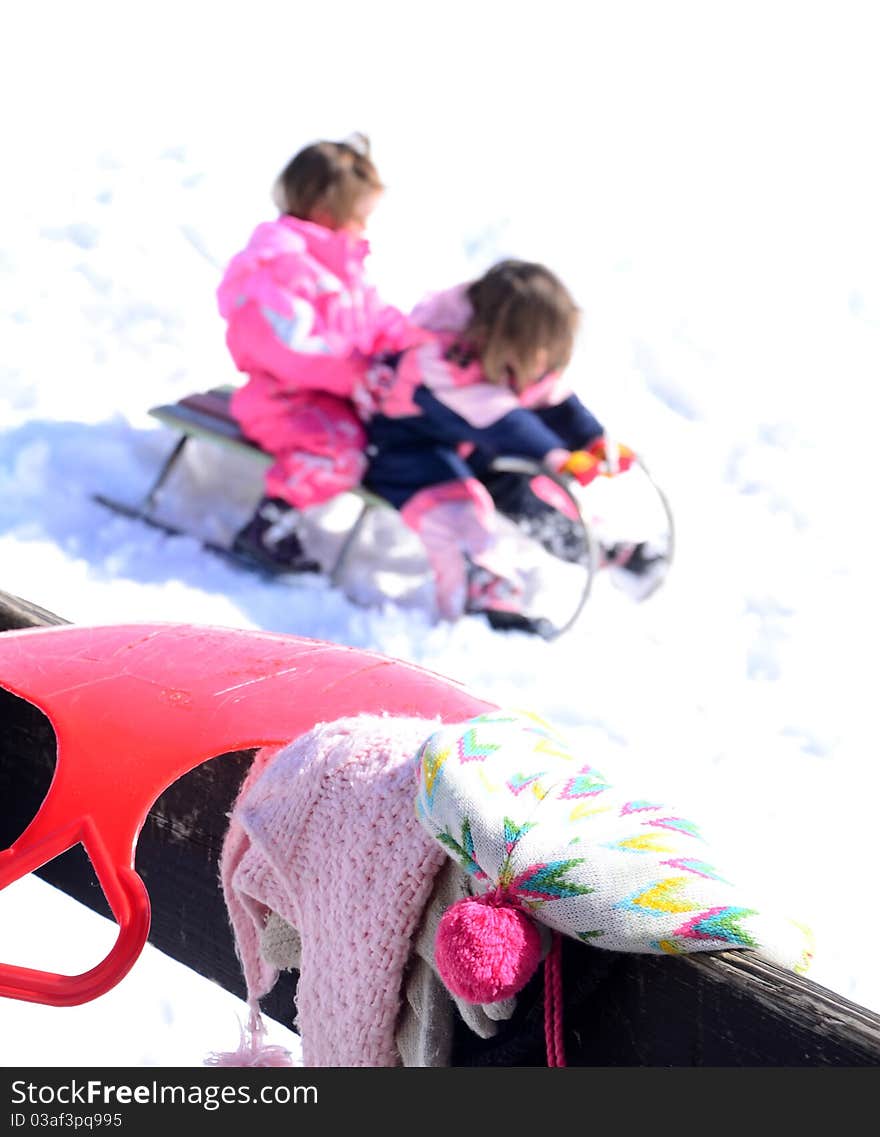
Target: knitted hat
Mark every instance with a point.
(550, 839)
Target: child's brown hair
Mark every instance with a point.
(520, 309)
(326, 180)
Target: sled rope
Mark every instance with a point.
(553, 1004)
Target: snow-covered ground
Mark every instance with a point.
(704, 179)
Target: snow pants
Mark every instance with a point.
(316, 439)
(458, 526)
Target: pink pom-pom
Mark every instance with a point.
(486, 950)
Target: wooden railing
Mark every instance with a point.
(724, 1009)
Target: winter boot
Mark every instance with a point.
(269, 540)
(634, 558)
(513, 496)
(634, 568)
(499, 600)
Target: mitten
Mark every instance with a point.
(583, 465)
(615, 457)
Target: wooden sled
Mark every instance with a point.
(206, 416)
(720, 1009)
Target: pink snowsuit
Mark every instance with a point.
(302, 322)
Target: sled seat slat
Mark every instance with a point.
(206, 414)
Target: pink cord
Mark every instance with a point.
(553, 1004)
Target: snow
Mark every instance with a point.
(702, 178)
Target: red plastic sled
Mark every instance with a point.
(134, 707)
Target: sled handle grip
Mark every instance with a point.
(612, 455)
(129, 901)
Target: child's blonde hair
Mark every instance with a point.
(520, 309)
(327, 179)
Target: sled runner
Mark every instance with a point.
(560, 546)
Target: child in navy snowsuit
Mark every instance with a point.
(438, 413)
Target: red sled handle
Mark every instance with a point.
(129, 901)
(134, 707)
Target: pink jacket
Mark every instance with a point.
(300, 313)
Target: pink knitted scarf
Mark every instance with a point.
(325, 834)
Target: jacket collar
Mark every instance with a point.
(336, 249)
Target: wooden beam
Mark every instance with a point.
(723, 1009)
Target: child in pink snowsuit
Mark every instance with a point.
(302, 323)
(488, 383)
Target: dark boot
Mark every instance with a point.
(499, 600)
(635, 569)
(514, 498)
(516, 622)
(634, 558)
(269, 539)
